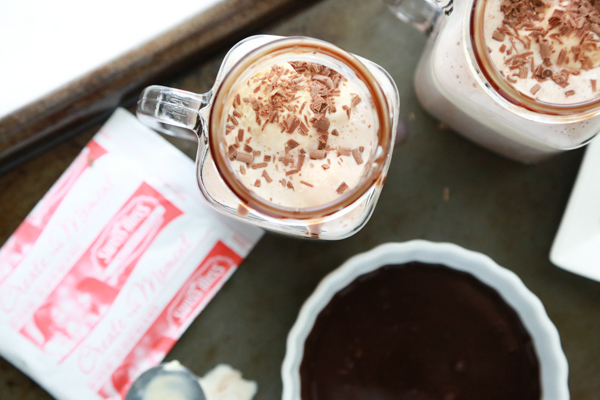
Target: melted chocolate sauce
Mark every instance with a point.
(419, 332)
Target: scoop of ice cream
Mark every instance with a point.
(225, 383)
(547, 49)
(254, 94)
(297, 133)
(262, 88)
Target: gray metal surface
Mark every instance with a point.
(508, 211)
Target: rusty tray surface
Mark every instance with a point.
(92, 98)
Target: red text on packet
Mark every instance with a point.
(189, 301)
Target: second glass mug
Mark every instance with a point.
(457, 83)
(200, 116)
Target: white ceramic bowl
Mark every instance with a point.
(553, 363)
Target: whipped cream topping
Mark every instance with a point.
(547, 49)
(226, 383)
(299, 134)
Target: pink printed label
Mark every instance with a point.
(112, 265)
(87, 292)
(19, 244)
(170, 324)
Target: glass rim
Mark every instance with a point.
(377, 160)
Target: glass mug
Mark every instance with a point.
(202, 117)
(457, 82)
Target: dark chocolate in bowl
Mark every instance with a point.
(419, 332)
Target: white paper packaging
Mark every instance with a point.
(576, 246)
(112, 265)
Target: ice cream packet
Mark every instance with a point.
(112, 265)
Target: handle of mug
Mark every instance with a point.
(171, 111)
(421, 14)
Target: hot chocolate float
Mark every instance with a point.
(296, 136)
(520, 78)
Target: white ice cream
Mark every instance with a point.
(549, 91)
(226, 383)
(356, 132)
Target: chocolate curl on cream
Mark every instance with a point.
(245, 158)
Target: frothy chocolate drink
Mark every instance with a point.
(299, 134)
(547, 49)
(420, 332)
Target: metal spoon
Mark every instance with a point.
(166, 382)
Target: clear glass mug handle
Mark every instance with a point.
(421, 14)
(172, 111)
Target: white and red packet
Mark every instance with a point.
(112, 265)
